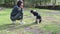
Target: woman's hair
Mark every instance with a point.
(19, 3)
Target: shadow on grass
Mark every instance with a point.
(14, 26)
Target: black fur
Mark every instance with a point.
(37, 16)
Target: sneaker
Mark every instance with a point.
(13, 22)
(22, 22)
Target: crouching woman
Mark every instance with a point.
(17, 13)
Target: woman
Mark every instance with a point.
(17, 12)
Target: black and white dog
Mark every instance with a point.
(38, 17)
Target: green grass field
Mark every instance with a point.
(50, 22)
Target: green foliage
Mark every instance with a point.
(33, 3)
(27, 3)
(1, 1)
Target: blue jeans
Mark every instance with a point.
(18, 16)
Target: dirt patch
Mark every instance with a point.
(56, 12)
(27, 28)
(37, 30)
(49, 18)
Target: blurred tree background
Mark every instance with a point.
(28, 3)
(7, 3)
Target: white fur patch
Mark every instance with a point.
(34, 10)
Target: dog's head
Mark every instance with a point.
(33, 11)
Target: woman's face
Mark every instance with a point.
(21, 5)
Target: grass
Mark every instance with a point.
(50, 22)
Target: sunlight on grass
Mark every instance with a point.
(46, 24)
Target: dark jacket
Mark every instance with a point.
(16, 13)
(16, 10)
